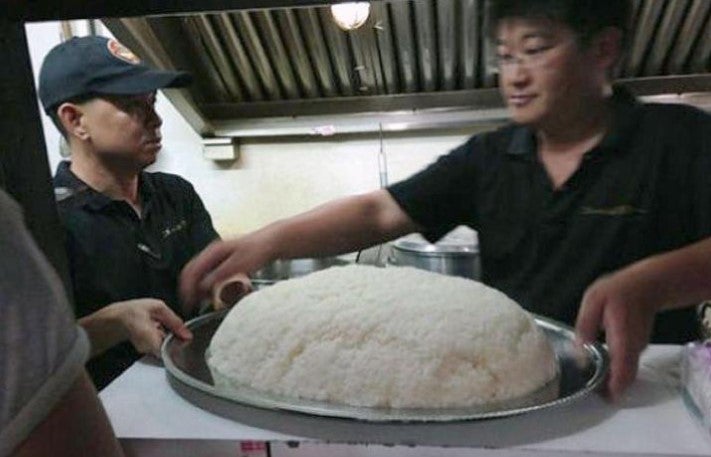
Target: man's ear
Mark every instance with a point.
(70, 115)
(607, 46)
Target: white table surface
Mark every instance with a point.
(651, 420)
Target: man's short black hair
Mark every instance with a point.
(584, 17)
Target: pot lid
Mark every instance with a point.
(461, 240)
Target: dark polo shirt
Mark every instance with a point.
(114, 255)
(645, 189)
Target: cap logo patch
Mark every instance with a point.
(122, 52)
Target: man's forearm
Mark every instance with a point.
(676, 278)
(338, 227)
(103, 329)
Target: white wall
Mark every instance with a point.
(273, 178)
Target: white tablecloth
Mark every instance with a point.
(651, 420)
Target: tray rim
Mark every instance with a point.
(596, 352)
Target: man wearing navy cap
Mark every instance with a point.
(128, 232)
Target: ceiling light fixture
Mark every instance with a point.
(351, 15)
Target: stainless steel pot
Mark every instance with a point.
(292, 268)
(453, 255)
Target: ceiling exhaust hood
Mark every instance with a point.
(413, 64)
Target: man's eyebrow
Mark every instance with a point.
(528, 36)
(538, 34)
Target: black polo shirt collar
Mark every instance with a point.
(523, 140)
(67, 184)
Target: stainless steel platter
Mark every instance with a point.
(581, 370)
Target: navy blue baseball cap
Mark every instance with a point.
(95, 65)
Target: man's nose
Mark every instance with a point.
(518, 73)
(153, 119)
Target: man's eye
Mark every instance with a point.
(535, 51)
(504, 58)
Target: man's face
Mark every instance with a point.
(124, 129)
(544, 75)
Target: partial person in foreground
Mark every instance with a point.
(48, 405)
(128, 232)
(592, 208)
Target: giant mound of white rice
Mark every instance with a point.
(382, 337)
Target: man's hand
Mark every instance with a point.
(143, 321)
(624, 304)
(146, 321)
(220, 263)
(624, 307)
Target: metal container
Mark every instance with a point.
(456, 254)
(581, 370)
(292, 268)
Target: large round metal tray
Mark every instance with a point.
(581, 370)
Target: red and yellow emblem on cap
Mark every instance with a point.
(122, 52)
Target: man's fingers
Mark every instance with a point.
(171, 321)
(623, 371)
(195, 271)
(222, 274)
(148, 341)
(588, 322)
(624, 357)
(155, 341)
(227, 293)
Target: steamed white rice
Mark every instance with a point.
(382, 337)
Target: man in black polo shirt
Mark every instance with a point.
(585, 183)
(128, 232)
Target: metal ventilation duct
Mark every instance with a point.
(412, 55)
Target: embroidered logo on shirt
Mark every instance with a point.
(174, 229)
(62, 193)
(619, 210)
